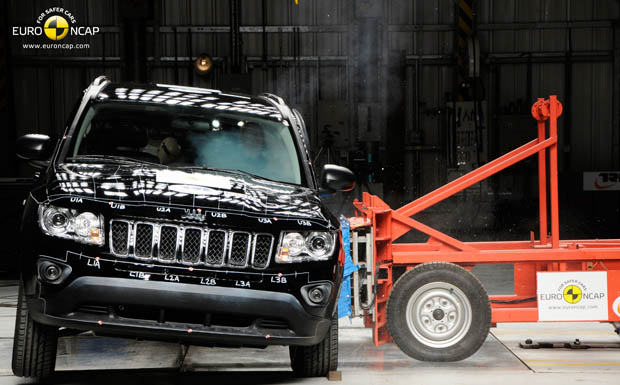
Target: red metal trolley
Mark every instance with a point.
(384, 226)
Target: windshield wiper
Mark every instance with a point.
(116, 158)
(252, 175)
(229, 171)
(202, 168)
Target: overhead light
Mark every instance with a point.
(203, 64)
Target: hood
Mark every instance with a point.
(181, 195)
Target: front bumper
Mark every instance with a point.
(69, 306)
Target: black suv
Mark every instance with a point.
(179, 214)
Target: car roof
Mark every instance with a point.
(166, 94)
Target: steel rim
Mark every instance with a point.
(439, 314)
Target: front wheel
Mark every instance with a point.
(438, 312)
(316, 360)
(34, 345)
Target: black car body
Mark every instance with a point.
(173, 253)
(12, 194)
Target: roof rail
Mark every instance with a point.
(273, 97)
(99, 80)
(96, 86)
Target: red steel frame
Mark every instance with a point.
(548, 253)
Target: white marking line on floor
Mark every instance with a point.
(502, 333)
(571, 363)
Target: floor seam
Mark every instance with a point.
(181, 360)
(513, 353)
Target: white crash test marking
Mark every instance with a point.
(572, 296)
(194, 179)
(192, 189)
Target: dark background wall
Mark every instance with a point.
(377, 83)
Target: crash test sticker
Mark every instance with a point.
(572, 296)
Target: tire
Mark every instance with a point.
(34, 345)
(438, 312)
(316, 360)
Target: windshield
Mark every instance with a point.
(186, 137)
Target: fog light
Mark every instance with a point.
(317, 294)
(52, 273)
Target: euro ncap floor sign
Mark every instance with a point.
(55, 23)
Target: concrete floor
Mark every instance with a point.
(87, 359)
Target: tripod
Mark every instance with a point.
(327, 146)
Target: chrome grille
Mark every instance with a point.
(239, 249)
(192, 245)
(120, 238)
(216, 247)
(262, 250)
(170, 243)
(144, 240)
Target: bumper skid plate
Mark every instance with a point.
(91, 303)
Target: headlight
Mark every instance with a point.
(320, 243)
(85, 223)
(294, 243)
(306, 246)
(55, 221)
(83, 227)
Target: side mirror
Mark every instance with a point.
(337, 178)
(34, 147)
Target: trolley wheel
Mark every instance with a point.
(438, 312)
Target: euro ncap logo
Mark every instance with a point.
(572, 294)
(56, 27)
(55, 23)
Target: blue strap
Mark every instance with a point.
(344, 301)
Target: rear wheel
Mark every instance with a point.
(438, 312)
(34, 345)
(316, 360)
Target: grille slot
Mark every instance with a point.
(269, 323)
(168, 242)
(120, 237)
(144, 240)
(172, 243)
(262, 250)
(182, 316)
(93, 309)
(217, 247)
(192, 245)
(239, 249)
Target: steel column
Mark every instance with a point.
(542, 182)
